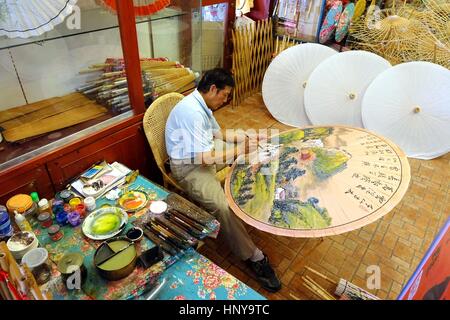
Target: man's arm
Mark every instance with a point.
(230, 135)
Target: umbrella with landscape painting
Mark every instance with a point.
(319, 181)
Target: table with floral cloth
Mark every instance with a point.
(189, 276)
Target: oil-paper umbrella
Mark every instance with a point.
(286, 78)
(344, 22)
(330, 22)
(321, 181)
(31, 18)
(141, 7)
(336, 87)
(410, 104)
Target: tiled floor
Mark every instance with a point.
(396, 243)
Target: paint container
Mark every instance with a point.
(90, 204)
(74, 218)
(44, 206)
(6, 229)
(81, 209)
(135, 234)
(45, 220)
(37, 261)
(74, 202)
(70, 264)
(57, 207)
(61, 218)
(115, 258)
(55, 233)
(23, 204)
(65, 195)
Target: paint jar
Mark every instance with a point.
(44, 206)
(6, 229)
(65, 195)
(55, 233)
(57, 206)
(74, 218)
(45, 220)
(81, 209)
(90, 204)
(23, 204)
(74, 202)
(37, 260)
(61, 218)
(69, 264)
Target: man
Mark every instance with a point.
(195, 157)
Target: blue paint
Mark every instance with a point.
(6, 229)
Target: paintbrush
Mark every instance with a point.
(165, 236)
(149, 233)
(195, 224)
(175, 229)
(183, 225)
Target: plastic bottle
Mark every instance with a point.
(22, 223)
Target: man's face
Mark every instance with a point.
(217, 98)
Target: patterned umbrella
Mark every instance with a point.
(322, 181)
(31, 18)
(141, 7)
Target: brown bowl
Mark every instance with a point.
(115, 258)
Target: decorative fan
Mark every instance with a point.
(141, 7)
(336, 87)
(31, 18)
(409, 104)
(344, 22)
(330, 22)
(285, 81)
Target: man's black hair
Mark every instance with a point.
(218, 76)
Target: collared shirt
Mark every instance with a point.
(190, 128)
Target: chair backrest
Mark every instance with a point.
(155, 119)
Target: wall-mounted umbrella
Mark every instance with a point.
(324, 181)
(141, 7)
(31, 18)
(410, 104)
(336, 87)
(285, 81)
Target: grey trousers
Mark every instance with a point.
(201, 185)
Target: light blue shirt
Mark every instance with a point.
(190, 128)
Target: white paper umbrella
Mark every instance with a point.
(30, 18)
(285, 80)
(336, 87)
(410, 104)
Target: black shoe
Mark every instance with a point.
(265, 274)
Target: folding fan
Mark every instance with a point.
(330, 21)
(344, 22)
(336, 87)
(141, 7)
(285, 81)
(410, 104)
(360, 7)
(31, 18)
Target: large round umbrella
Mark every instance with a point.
(410, 104)
(31, 18)
(336, 87)
(322, 181)
(286, 78)
(141, 7)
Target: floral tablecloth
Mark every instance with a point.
(201, 278)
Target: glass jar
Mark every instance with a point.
(61, 218)
(90, 204)
(45, 220)
(37, 260)
(44, 206)
(23, 204)
(55, 233)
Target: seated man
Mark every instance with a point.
(195, 157)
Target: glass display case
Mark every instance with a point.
(72, 81)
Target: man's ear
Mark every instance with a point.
(213, 89)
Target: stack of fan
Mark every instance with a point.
(159, 75)
(408, 103)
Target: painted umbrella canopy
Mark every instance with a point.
(322, 181)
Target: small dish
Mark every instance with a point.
(158, 207)
(135, 234)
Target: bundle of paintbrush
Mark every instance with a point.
(159, 76)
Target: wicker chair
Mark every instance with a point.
(155, 119)
(154, 126)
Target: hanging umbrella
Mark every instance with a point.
(141, 7)
(330, 22)
(410, 104)
(322, 181)
(336, 87)
(285, 80)
(344, 22)
(25, 19)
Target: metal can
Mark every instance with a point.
(45, 219)
(55, 233)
